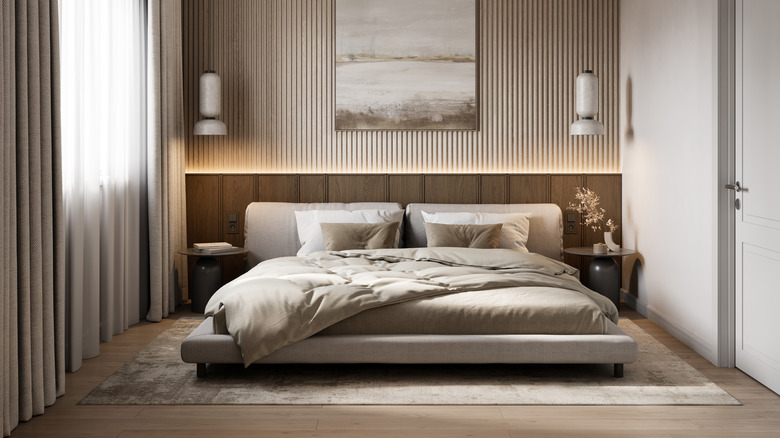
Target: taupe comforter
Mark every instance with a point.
(285, 300)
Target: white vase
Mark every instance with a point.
(610, 243)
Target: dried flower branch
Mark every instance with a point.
(588, 205)
(612, 225)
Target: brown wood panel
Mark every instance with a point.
(277, 188)
(609, 189)
(208, 199)
(237, 193)
(312, 188)
(529, 189)
(203, 206)
(562, 189)
(202, 209)
(492, 189)
(405, 189)
(357, 188)
(452, 189)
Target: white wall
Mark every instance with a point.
(668, 54)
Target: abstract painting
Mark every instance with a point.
(406, 65)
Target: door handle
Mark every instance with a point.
(736, 187)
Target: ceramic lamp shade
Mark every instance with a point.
(210, 98)
(210, 104)
(587, 94)
(210, 127)
(587, 105)
(586, 127)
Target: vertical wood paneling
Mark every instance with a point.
(275, 58)
(277, 188)
(562, 190)
(357, 188)
(237, 194)
(203, 211)
(492, 189)
(609, 189)
(203, 198)
(313, 188)
(405, 189)
(529, 189)
(452, 189)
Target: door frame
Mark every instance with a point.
(726, 172)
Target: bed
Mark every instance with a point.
(383, 334)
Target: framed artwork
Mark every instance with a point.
(406, 64)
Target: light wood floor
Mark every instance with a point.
(760, 415)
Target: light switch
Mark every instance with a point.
(232, 222)
(570, 224)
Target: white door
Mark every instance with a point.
(758, 171)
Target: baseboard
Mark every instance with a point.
(633, 302)
(693, 341)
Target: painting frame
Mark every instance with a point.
(453, 116)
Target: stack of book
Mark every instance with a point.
(213, 247)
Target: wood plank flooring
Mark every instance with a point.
(759, 417)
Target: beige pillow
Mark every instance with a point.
(337, 237)
(514, 233)
(464, 236)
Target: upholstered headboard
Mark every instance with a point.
(271, 230)
(544, 237)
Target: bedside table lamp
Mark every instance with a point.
(210, 103)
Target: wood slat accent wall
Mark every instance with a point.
(210, 197)
(276, 61)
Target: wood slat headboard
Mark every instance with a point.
(211, 198)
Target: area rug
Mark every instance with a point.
(157, 376)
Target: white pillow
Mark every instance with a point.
(514, 232)
(310, 233)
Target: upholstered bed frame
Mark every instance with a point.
(271, 232)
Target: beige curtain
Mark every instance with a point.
(165, 158)
(32, 341)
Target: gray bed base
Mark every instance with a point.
(203, 346)
(271, 232)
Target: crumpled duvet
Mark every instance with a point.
(284, 300)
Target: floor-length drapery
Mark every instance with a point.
(124, 161)
(167, 209)
(103, 47)
(32, 241)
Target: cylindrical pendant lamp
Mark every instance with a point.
(210, 103)
(587, 105)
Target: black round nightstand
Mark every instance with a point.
(206, 275)
(604, 272)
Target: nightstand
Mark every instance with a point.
(206, 275)
(604, 271)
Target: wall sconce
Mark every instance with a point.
(587, 105)
(210, 103)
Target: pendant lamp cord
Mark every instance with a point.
(208, 36)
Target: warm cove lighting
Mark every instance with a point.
(587, 105)
(210, 103)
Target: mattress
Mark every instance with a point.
(527, 310)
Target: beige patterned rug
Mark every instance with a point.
(157, 376)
